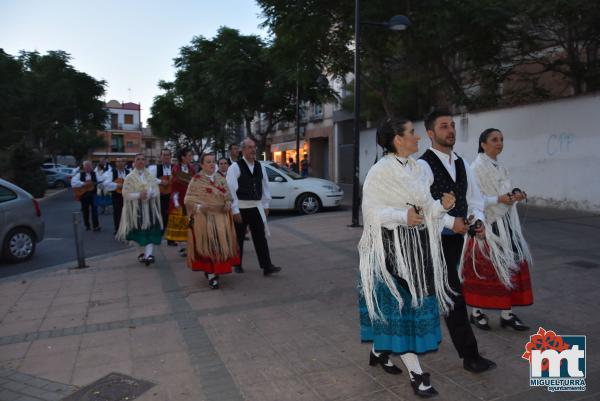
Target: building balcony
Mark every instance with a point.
(125, 127)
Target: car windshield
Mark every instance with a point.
(292, 174)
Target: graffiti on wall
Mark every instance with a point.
(557, 144)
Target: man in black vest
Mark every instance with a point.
(163, 169)
(88, 178)
(114, 184)
(249, 185)
(450, 173)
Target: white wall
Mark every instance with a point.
(121, 113)
(551, 149)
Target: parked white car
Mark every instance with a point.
(307, 195)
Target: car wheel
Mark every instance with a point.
(60, 184)
(19, 245)
(308, 203)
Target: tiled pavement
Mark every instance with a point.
(293, 336)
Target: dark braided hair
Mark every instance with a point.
(388, 130)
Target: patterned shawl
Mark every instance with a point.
(214, 231)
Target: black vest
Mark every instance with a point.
(442, 182)
(159, 170)
(115, 173)
(249, 185)
(82, 175)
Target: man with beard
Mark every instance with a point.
(451, 174)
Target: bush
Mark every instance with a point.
(24, 169)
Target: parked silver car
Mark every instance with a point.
(21, 223)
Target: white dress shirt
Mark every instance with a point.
(233, 173)
(475, 200)
(109, 184)
(77, 183)
(166, 170)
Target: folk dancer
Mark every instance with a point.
(404, 282)
(141, 221)
(212, 244)
(182, 174)
(450, 173)
(104, 170)
(495, 271)
(114, 184)
(249, 186)
(163, 172)
(84, 186)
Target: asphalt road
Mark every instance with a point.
(58, 246)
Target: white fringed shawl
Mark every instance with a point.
(388, 184)
(134, 208)
(495, 181)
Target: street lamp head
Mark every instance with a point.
(398, 23)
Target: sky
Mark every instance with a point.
(129, 44)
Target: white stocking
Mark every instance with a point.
(411, 361)
(148, 250)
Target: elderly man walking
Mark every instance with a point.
(249, 185)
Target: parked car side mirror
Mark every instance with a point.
(279, 179)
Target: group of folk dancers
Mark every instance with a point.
(438, 235)
(207, 212)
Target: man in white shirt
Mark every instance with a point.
(162, 171)
(249, 185)
(451, 174)
(84, 184)
(113, 182)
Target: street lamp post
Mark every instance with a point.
(396, 23)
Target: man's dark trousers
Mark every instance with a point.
(117, 203)
(251, 217)
(457, 320)
(88, 202)
(164, 209)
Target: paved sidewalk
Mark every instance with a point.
(292, 336)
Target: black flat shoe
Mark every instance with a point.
(416, 380)
(149, 260)
(478, 364)
(382, 360)
(270, 270)
(141, 258)
(475, 321)
(171, 243)
(213, 283)
(513, 322)
(238, 269)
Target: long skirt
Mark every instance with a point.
(177, 226)
(486, 291)
(409, 329)
(197, 262)
(152, 235)
(405, 329)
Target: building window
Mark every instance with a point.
(128, 118)
(114, 121)
(129, 144)
(148, 144)
(116, 144)
(317, 111)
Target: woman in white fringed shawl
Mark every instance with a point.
(495, 271)
(141, 220)
(403, 278)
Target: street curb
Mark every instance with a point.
(45, 198)
(67, 265)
